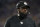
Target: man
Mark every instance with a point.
(22, 19)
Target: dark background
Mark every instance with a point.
(8, 9)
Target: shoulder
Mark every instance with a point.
(30, 18)
(12, 18)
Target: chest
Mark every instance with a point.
(23, 23)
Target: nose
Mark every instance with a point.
(24, 10)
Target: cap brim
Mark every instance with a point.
(25, 7)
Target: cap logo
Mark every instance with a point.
(25, 3)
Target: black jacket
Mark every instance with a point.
(15, 22)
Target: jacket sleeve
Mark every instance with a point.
(7, 24)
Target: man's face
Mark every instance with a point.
(24, 11)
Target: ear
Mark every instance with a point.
(18, 12)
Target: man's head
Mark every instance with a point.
(22, 7)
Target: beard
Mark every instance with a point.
(23, 16)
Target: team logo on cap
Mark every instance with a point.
(25, 3)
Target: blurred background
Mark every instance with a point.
(8, 9)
